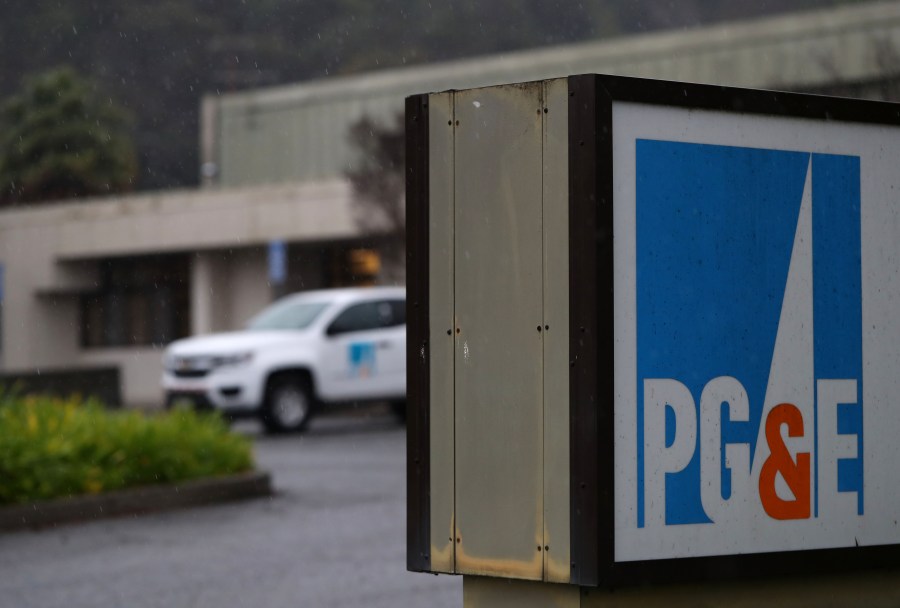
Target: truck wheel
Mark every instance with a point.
(288, 405)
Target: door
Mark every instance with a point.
(365, 352)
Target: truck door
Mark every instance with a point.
(364, 353)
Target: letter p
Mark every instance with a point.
(660, 456)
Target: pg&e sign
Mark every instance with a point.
(678, 306)
(750, 371)
(757, 335)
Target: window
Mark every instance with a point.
(369, 315)
(140, 302)
(287, 315)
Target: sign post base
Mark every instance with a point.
(872, 589)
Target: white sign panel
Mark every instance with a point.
(757, 333)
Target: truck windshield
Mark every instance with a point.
(287, 315)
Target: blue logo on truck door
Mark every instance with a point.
(749, 320)
(361, 356)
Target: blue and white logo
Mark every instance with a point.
(749, 348)
(362, 359)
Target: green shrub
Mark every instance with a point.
(51, 447)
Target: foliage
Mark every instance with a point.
(159, 58)
(60, 139)
(378, 177)
(52, 448)
(379, 185)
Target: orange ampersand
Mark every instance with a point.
(796, 475)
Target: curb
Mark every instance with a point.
(145, 499)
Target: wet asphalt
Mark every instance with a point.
(333, 535)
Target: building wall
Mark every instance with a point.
(36, 322)
(250, 287)
(140, 371)
(52, 254)
(301, 131)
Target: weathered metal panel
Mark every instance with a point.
(556, 334)
(498, 334)
(440, 277)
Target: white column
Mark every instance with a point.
(201, 293)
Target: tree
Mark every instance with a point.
(59, 138)
(379, 187)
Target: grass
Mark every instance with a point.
(52, 448)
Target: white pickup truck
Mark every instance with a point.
(305, 350)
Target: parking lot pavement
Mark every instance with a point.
(333, 535)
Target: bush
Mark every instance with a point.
(51, 447)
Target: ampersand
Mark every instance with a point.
(795, 474)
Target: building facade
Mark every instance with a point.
(300, 132)
(108, 282)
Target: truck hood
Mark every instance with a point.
(235, 342)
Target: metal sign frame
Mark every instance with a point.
(593, 334)
(592, 331)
